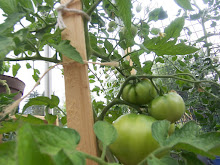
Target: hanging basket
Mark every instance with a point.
(15, 85)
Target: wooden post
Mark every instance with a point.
(77, 91)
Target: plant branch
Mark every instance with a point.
(128, 54)
(114, 102)
(33, 58)
(97, 78)
(124, 84)
(93, 7)
(61, 110)
(94, 158)
(97, 54)
(158, 91)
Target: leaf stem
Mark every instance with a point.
(103, 152)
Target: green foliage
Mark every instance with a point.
(167, 44)
(105, 132)
(66, 49)
(124, 8)
(185, 4)
(48, 144)
(157, 14)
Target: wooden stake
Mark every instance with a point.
(77, 91)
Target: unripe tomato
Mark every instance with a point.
(112, 24)
(134, 141)
(142, 92)
(169, 106)
(110, 29)
(123, 32)
(134, 30)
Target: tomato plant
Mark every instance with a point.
(110, 34)
(170, 106)
(134, 141)
(139, 93)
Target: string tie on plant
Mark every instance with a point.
(64, 8)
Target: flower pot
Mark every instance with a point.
(15, 85)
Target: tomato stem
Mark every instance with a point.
(124, 84)
(94, 158)
(158, 91)
(114, 102)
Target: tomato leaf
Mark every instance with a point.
(65, 48)
(11, 126)
(188, 138)
(160, 130)
(191, 158)
(105, 132)
(157, 14)
(147, 67)
(62, 158)
(28, 151)
(63, 138)
(29, 119)
(124, 8)
(15, 69)
(167, 45)
(6, 45)
(42, 100)
(173, 30)
(7, 151)
(77, 158)
(185, 4)
(11, 20)
(152, 160)
(8, 127)
(108, 46)
(64, 120)
(9, 6)
(51, 119)
(28, 5)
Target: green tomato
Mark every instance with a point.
(169, 106)
(140, 93)
(135, 140)
(110, 29)
(124, 31)
(134, 30)
(112, 24)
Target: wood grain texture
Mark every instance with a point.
(78, 99)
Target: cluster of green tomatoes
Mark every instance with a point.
(135, 141)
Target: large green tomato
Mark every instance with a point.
(134, 141)
(169, 106)
(142, 92)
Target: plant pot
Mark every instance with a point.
(15, 85)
